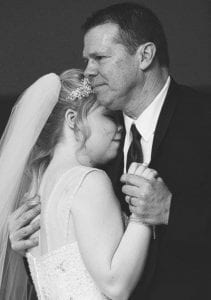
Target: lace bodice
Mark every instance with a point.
(60, 274)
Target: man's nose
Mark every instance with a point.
(91, 69)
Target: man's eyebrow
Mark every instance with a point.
(94, 54)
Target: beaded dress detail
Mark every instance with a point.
(60, 273)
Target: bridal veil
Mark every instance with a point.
(25, 124)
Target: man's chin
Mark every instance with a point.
(103, 101)
(109, 103)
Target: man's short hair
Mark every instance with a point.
(137, 25)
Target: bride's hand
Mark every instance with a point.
(141, 169)
(21, 225)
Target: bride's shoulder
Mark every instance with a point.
(85, 175)
(86, 179)
(94, 177)
(95, 185)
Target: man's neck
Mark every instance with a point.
(154, 82)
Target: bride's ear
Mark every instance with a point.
(70, 116)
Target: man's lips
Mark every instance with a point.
(97, 85)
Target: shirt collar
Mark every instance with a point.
(147, 121)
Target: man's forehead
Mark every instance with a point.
(99, 38)
(108, 28)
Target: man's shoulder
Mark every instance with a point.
(191, 93)
(192, 108)
(191, 99)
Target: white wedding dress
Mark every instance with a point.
(56, 265)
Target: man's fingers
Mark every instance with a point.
(133, 179)
(26, 231)
(28, 216)
(149, 221)
(137, 202)
(28, 204)
(136, 210)
(17, 219)
(32, 201)
(21, 246)
(134, 201)
(131, 190)
(24, 199)
(18, 212)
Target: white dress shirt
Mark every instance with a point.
(146, 124)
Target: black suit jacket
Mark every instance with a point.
(178, 265)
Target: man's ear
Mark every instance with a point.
(146, 54)
(70, 116)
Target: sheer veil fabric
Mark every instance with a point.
(26, 122)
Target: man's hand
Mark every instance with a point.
(21, 225)
(147, 195)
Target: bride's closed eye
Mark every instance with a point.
(112, 115)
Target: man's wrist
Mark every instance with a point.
(133, 218)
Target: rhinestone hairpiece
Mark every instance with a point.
(84, 91)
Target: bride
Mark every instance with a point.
(56, 138)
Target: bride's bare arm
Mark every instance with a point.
(114, 258)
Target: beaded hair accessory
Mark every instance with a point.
(83, 91)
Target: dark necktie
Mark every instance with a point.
(135, 153)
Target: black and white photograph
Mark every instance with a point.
(105, 150)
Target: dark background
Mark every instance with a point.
(37, 37)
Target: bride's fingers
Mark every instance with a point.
(150, 174)
(140, 169)
(132, 168)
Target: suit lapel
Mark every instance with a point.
(165, 116)
(161, 129)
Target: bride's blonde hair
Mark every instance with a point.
(52, 132)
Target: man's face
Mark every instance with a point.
(114, 73)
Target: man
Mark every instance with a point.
(128, 64)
